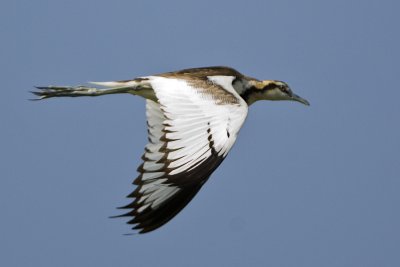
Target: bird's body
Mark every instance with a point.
(193, 119)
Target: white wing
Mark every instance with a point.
(191, 129)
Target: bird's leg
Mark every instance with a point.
(58, 91)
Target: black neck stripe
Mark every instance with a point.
(246, 94)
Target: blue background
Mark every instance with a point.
(303, 186)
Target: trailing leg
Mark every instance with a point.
(69, 91)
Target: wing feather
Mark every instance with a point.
(190, 133)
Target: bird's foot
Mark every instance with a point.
(57, 91)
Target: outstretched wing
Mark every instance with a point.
(190, 130)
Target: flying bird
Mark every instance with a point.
(193, 119)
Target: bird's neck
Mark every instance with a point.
(246, 89)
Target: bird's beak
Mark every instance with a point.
(299, 99)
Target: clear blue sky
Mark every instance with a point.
(303, 186)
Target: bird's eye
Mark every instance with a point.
(285, 90)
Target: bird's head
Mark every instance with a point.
(272, 90)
